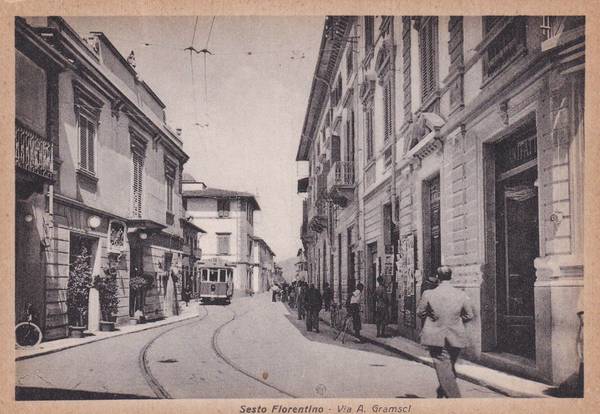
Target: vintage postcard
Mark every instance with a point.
(316, 210)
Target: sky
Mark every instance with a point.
(242, 117)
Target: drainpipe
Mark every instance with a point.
(393, 93)
(330, 214)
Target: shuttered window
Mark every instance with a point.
(87, 138)
(170, 173)
(138, 167)
(223, 207)
(369, 32)
(428, 56)
(369, 132)
(169, 182)
(388, 130)
(223, 243)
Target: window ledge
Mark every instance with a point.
(563, 38)
(87, 175)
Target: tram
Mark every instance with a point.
(215, 280)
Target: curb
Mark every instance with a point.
(478, 381)
(51, 351)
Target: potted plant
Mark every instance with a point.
(109, 300)
(78, 289)
(139, 284)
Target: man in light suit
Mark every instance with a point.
(445, 310)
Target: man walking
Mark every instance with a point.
(381, 305)
(313, 307)
(301, 299)
(327, 296)
(445, 310)
(354, 309)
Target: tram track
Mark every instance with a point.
(161, 392)
(217, 350)
(158, 389)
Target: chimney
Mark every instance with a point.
(178, 130)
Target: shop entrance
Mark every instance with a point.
(517, 242)
(432, 254)
(372, 262)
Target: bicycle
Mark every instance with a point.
(27, 333)
(345, 327)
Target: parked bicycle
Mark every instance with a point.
(27, 333)
(341, 322)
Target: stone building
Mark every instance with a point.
(116, 171)
(467, 142)
(262, 272)
(228, 219)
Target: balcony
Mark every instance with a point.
(340, 182)
(33, 153)
(317, 219)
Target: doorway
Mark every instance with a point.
(517, 241)
(372, 265)
(432, 245)
(350, 275)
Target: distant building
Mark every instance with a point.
(262, 275)
(228, 219)
(93, 139)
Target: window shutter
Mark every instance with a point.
(83, 142)
(91, 134)
(428, 47)
(387, 111)
(137, 184)
(223, 244)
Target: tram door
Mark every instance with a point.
(517, 244)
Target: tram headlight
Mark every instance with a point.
(213, 288)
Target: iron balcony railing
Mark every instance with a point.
(33, 153)
(341, 175)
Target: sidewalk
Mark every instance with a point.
(61, 344)
(510, 385)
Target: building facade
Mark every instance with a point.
(228, 219)
(454, 141)
(116, 169)
(262, 272)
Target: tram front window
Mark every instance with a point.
(222, 275)
(214, 275)
(204, 275)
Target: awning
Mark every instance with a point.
(303, 185)
(185, 222)
(134, 225)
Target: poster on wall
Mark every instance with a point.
(406, 279)
(388, 271)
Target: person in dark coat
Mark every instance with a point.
(314, 302)
(327, 296)
(381, 305)
(301, 300)
(185, 295)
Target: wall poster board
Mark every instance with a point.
(406, 279)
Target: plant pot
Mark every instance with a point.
(76, 331)
(106, 326)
